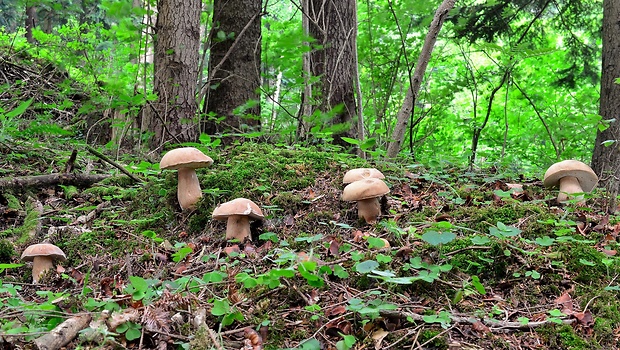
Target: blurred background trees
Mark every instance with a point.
(509, 83)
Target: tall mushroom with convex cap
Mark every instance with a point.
(361, 174)
(238, 214)
(42, 256)
(367, 193)
(572, 176)
(186, 160)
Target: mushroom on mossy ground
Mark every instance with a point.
(42, 256)
(186, 160)
(366, 193)
(573, 177)
(361, 174)
(238, 214)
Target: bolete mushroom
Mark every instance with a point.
(367, 193)
(572, 176)
(361, 174)
(42, 256)
(238, 214)
(186, 160)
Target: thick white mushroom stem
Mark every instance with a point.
(238, 227)
(188, 192)
(369, 209)
(40, 264)
(568, 186)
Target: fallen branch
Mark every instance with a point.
(494, 325)
(63, 333)
(78, 180)
(113, 163)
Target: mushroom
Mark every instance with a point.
(360, 174)
(572, 176)
(42, 256)
(238, 214)
(186, 160)
(367, 193)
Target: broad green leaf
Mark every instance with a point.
(436, 238)
(366, 266)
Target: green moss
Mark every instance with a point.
(28, 229)
(564, 337)
(436, 340)
(584, 262)
(7, 251)
(13, 202)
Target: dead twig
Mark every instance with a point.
(113, 163)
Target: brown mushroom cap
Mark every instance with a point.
(43, 249)
(185, 157)
(360, 174)
(365, 189)
(584, 174)
(239, 206)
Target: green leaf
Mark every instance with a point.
(480, 240)
(139, 283)
(586, 262)
(545, 241)
(220, 307)
(475, 281)
(608, 143)
(366, 266)
(350, 140)
(19, 109)
(436, 238)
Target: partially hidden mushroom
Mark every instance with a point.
(572, 177)
(361, 174)
(238, 214)
(366, 193)
(186, 160)
(42, 256)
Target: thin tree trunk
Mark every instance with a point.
(406, 110)
(275, 100)
(606, 159)
(305, 110)
(31, 14)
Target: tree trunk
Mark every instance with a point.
(406, 109)
(334, 26)
(606, 159)
(31, 14)
(234, 68)
(173, 116)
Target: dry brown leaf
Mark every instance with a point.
(566, 302)
(378, 336)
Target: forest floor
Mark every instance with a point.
(482, 259)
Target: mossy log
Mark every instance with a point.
(78, 180)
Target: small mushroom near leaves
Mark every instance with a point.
(366, 193)
(42, 256)
(238, 214)
(573, 177)
(186, 160)
(361, 174)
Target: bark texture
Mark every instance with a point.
(606, 160)
(404, 114)
(234, 67)
(173, 116)
(334, 26)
